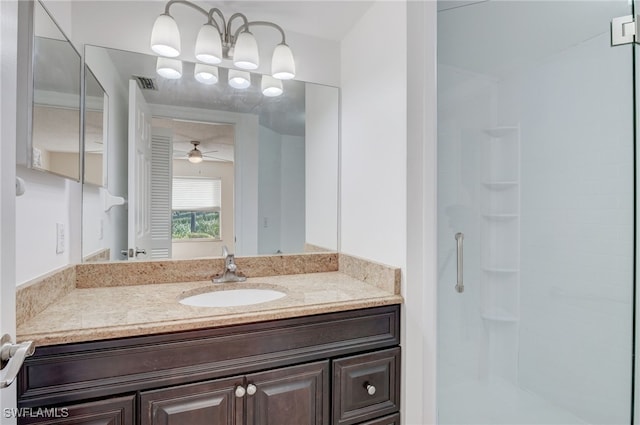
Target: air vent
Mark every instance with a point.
(146, 83)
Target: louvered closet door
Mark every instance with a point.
(161, 186)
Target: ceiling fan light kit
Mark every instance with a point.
(217, 41)
(195, 156)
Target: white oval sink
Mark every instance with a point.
(232, 297)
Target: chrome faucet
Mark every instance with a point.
(230, 273)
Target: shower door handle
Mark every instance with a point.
(459, 280)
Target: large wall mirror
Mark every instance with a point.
(52, 80)
(195, 166)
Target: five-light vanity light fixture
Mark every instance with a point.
(216, 41)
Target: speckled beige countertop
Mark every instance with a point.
(95, 313)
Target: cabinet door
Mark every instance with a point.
(207, 403)
(113, 411)
(296, 395)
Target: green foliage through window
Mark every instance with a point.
(195, 225)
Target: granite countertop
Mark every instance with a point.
(89, 314)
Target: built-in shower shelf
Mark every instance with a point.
(500, 185)
(500, 270)
(499, 132)
(500, 317)
(501, 217)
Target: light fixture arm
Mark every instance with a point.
(225, 29)
(185, 2)
(213, 22)
(247, 25)
(213, 46)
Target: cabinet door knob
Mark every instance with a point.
(240, 391)
(251, 389)
(371, 390)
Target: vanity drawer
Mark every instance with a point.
(387, 420)
(366, 386)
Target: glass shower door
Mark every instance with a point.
(536, 175)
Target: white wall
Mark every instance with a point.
(373, 169)
(269, 191)
(46, 203)
(281, 186)
(292, 198)
(420, 283)
(322, 132)
(374, 174)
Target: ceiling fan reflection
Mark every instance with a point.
(195, 155)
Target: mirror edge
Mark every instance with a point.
(105, 129)
(25, 84)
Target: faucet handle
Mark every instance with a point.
(225, 251)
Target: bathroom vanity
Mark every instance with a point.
(119, 347)
(339, 368)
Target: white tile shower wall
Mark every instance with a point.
(575, 111)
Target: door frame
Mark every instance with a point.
(8, 110)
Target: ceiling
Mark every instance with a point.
(330, 20)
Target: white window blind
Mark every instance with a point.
(196, 194)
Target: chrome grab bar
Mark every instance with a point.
(459, 281)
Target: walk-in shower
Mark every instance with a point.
(536, 213)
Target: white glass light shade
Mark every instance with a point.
(209, 45)
(282, 65)
(271, 87)
(165, 37)
(195, 156)
(239, 79)
(206, 74)
(245, 51)
(169, 68)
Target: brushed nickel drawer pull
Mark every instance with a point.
(240, 391)
(251, 389)
(371, 390)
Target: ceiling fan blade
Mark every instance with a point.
(218, 158)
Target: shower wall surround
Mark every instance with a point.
(562, 289)
(577, 229)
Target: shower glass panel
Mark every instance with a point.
(536, 171)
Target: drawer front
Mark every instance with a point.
(112, 411)
(366, 386)
(387, 420)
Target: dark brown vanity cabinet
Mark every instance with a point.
(338, 368)
(295, 395)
